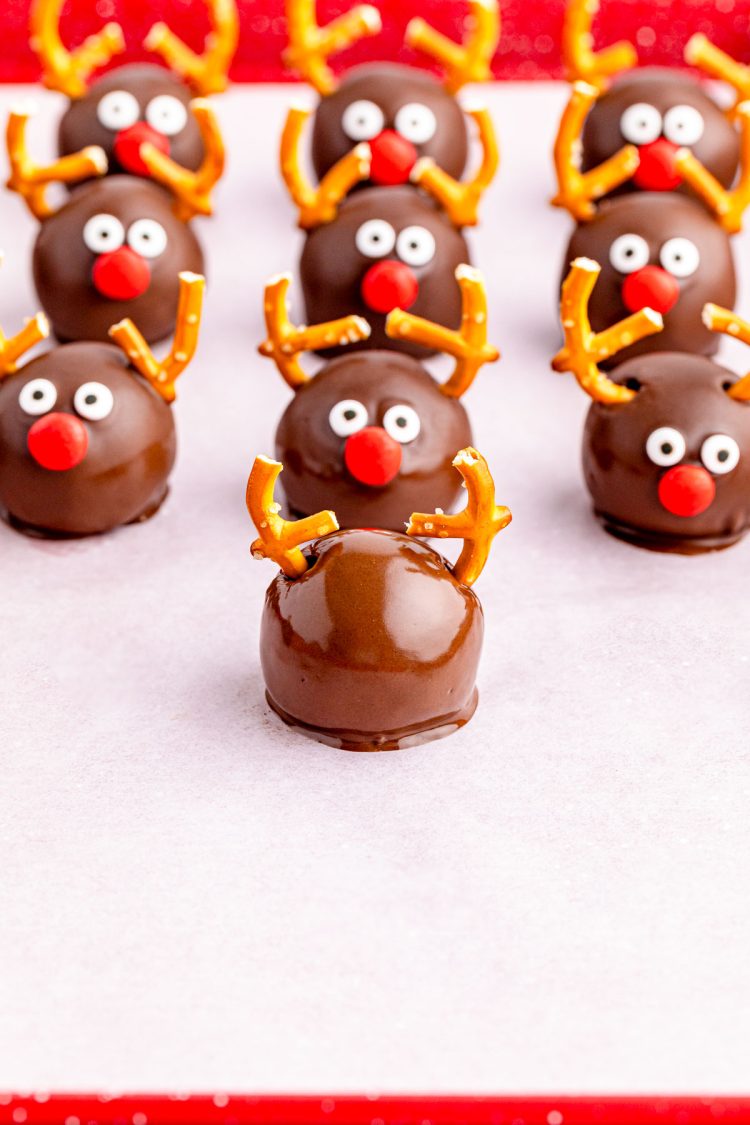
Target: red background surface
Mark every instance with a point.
(529, 48)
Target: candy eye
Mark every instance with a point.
(167, 115)
(629, 253)
(148, 238)
(641, 123)
(416, 122)
(361, 121)
(38, 396)
(720, 454)
(93, 401)
(416, 246)
(666, 446)
(103, 233)
(683, 125)
(680, 257)
(118, 110)
(375, 238)
(402, 423)
(347, 417)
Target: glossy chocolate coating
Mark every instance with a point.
(332, 268)
(687, 393)
(391, 87)
(80, 125)
(123, 476)
(717, 148)
(376, 647)
(315, 476)
(657, 218)
(63, 263)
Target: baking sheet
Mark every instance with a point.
(192, 897)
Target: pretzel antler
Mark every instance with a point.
(580, 60)
(191, 190)
(469, 61)
(280, 539)
(31, 180)
(477, 524)
(460, 199)
(286, 342)
(469, 345)
(700, 52)
(727, 205)
(717, 319)
(12, 348)
(207, 73)
(310, 46)
(63, 70)
(576, 189)
(163, 374)
(318, 205)
(585, 349)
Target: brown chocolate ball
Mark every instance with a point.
(660, 111)
(372, 437)
(114, 250)
(388, 248)
(670, 470)
(375, 647)
(128, 107)
(404, 114)
(661, 251)
(85, 443)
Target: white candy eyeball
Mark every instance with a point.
(93, 401)
(641, 123)
(347, 416)
(148, 238)
(629, 253)
(416, 122)
(720, 454)
(166, 114)
(118, 110)
(683, 125)
(38, 396)
(666, 446)
(680, 257)
(402, 423)
(416, 246)
(375, 238)
(362, 121)
(103, 233)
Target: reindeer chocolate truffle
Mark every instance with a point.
(666, 447)
(414, 128)
(660, 117)
(131, 106)
(387, 248)
(664, 252)
(117, 246)
(373, 434)
(87, 436)
(370, 640)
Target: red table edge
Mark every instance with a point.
(224, 1109)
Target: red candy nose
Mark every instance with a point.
(651, 288)
(372, 456)
(121, 275)
(687, 490)
(389, 285)
(393, 158)
(127, 147)
(58, 441)
(657, 170)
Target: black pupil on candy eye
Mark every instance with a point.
(401, 421)
(350, 415)
(37, 395)
(722, 455)
(667, 447)
(90, 400)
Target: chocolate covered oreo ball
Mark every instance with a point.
(129, 107)
(388, 248)
(663, 252)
